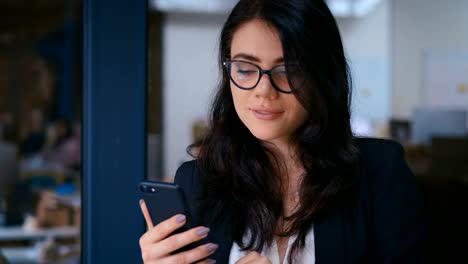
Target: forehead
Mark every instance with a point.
(258, 39)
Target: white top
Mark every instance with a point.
(306, 256)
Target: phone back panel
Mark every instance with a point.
(164, 200)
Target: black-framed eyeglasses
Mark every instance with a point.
(246, 75)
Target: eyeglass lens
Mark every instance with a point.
(246, 75)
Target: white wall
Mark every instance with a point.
(419, 26)
(368, 36)
(367, 45)
(190, 75)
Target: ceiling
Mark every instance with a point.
(340, 8)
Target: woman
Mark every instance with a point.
(280, 178)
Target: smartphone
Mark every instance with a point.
(164, 200)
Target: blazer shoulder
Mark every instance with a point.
(382, 161)
(187, 177)
(378, 148)
(395, 201)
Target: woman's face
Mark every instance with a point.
(270, 115)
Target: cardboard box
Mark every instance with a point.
(57, 217)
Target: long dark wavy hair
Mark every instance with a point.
(239, 179)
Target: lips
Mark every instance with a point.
(266, 114)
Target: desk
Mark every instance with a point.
(30, 255)
(19, 234)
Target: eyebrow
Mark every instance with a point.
(253, 58)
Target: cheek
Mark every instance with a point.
(240, 99)
(300, 114)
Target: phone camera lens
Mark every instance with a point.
(144, 188)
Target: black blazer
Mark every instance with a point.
(381, 223)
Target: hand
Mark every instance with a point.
(253, 258)
(156, 244)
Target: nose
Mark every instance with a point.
(265, 88)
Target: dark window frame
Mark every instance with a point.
(114, 129)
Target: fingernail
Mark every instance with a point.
(210, 261)
(141, 201)
(203, 231)
(211, 248)
(180, 219)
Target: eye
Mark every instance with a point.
(246, 72)
(281, 72)
(241, 73)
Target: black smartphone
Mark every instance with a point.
(164, 200)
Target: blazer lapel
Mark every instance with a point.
(328, 238)
(220, 235)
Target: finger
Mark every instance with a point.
(258, 259)
(144, 209)
(177, 241)
(193, 255)
(207, 261)
(262, 260)
(163, 229)
(252, 255)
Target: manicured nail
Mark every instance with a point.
(180, 219)
(211, 248)
(203, 231)
(210, 261)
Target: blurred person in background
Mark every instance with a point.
(7, 129)
(8, 172)
(67, 146)
(33, 134)
(61, 130)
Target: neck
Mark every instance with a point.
(286, 151)
(291, 170)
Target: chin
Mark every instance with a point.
(264, 135)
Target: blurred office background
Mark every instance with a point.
(40, 120)
(409, 61)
